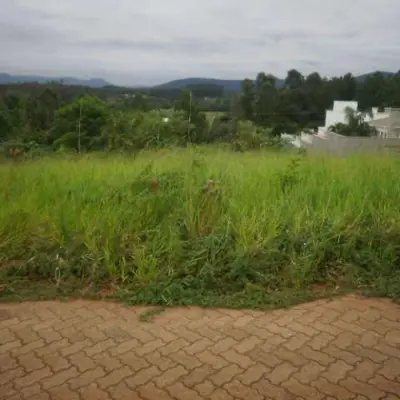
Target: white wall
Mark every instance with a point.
(333, 117)
(342, 145)
(338, 113)
(387, 122)
(340, 106)
(376, 115)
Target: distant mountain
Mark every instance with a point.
(361, 78)
(94, 83)
(230, 85)
(234, 85)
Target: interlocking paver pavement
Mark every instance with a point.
(347, 348)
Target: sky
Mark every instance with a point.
(128, 42)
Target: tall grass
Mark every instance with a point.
(204, 225)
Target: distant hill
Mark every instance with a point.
(234, 85)
(94, 83)
(230, 85)
(361, 78)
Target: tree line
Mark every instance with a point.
(57, 115)
(301, 101)
(46, 120)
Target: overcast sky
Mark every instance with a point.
(132, 42)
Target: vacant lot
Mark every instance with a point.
(201, 226)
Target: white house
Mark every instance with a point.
(387, 122)
(338, 112)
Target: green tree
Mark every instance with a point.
(6, 126)
(246, 100)
(12, 111)
(343, 88)
(374, 91)
(265, 100)
(294, 79)
(314, 80)
(197, 131)
(79, 124)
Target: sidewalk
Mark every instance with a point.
(348, 348)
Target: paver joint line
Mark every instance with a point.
(346, 348)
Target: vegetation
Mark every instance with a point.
(52, 115)
(302, 101)
(157, 208)
(202, 225)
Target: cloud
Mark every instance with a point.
(160, 40)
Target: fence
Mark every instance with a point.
(344, 145)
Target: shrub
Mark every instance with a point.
(79, 124)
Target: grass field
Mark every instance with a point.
(201, 226)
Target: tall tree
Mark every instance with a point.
(373, 92)
(265, 100)
(198, 123)
(79, 124)
(294, 79)
(344, 87)
(314, 80)
(247, 99)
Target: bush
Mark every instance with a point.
(249, 137)
(79, 124)
(136, 131)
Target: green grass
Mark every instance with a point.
(211, 115)
(150, 314)
(273, 227)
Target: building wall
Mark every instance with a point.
(376, 115)
(333, 117)
(382, 125)
(342, 145)
(338, 113)
(340, 106)
(387, 122)
(394, 123)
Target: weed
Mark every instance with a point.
(290, 177)
(201, 226)
(150, 314)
